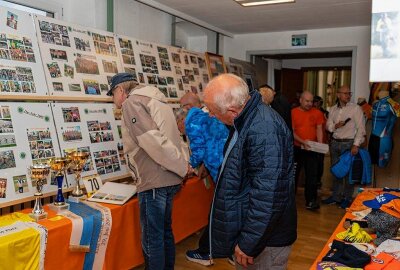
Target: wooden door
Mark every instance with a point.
(291, 82)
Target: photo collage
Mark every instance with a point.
(53, 33)
(16, 80)
(104, 45)
(127, 53)
(100, 131)
(164, 58)
(40, 144)
(15, 48)
(107, 161)
(7, 137)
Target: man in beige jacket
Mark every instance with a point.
(156, 162)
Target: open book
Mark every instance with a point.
(115, 193)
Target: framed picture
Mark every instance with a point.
(249, 81)
(215, 64)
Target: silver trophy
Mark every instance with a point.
(39, 173)
(78, 159)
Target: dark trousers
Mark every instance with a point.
(204, 241)
(321, 158)
(308, 160)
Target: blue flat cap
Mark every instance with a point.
(119, 78)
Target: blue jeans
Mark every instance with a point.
(158, 243)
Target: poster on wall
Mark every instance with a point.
(90, 127)
(78, 61)
(385, 41)
(27, 136)
(21, 71)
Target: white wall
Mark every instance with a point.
(142, 22)
(317, 62)
(197, 44)
(332, 39)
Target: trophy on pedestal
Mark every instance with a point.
(38, 173)
(78, 159)
(58, 165)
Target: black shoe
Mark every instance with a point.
(312, 206)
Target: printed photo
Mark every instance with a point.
(91, 87)
(12, 20)
(68, 71)
(193, 59)
(104, 45)
(70, 134)
(103, 87)
(6, 126)
(7, 140)
(202, 62)
(176, 58)
(178, 70)
(75, 87)
(86, 64)
(20, 184)
(58, 86)
(82, 45)
(99, 195)
(172, 92)
(141, 77)
(110, 66)
(149, 63)
(5, 112)
(163, 89)
(7, 159)
(3, 187)
(58, 55)
(54, 70)
(71, 114)
(117, 113)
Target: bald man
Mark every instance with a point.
(253, 214)
(190, 100)
(307, 126)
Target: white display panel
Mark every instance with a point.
(149, 63)
(194, 72)
(385, 41)
(78, 61)
(91, 127)
(27, 136)
(21, 71)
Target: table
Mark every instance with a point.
(357, 202)
(189, 214)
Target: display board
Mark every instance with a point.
(27, 136)
(91, 127)
(21, 71)
(78, 61)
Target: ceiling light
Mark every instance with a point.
(250, 3)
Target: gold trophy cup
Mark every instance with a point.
(78, 159)
(58, 165)
(38, 173)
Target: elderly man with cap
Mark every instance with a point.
(155, 160)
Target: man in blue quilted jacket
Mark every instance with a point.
(253, 214)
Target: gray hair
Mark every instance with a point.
(180, 114)
(233, 93)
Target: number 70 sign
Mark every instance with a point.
(92, 183)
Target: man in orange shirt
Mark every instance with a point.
(307, 126)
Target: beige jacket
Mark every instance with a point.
(151, 140)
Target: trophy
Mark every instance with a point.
(39, 173)
(58, 165)
(78, 159)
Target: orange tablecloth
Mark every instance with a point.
(189, 214)
(368, 193)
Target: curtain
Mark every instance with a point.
(324, 83)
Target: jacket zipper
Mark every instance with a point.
(231, 144)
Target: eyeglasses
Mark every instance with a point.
(346, 93)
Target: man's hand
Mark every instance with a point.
(354, 150)
(189, 173)
(203, 172)
(306, 146)
(242, 258)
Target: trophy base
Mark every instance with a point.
(59, 208)
(38, 217)
(76, 199)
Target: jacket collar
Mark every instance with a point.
(251, 104)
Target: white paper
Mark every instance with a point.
(318, 147)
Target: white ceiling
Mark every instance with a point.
(301, 15)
